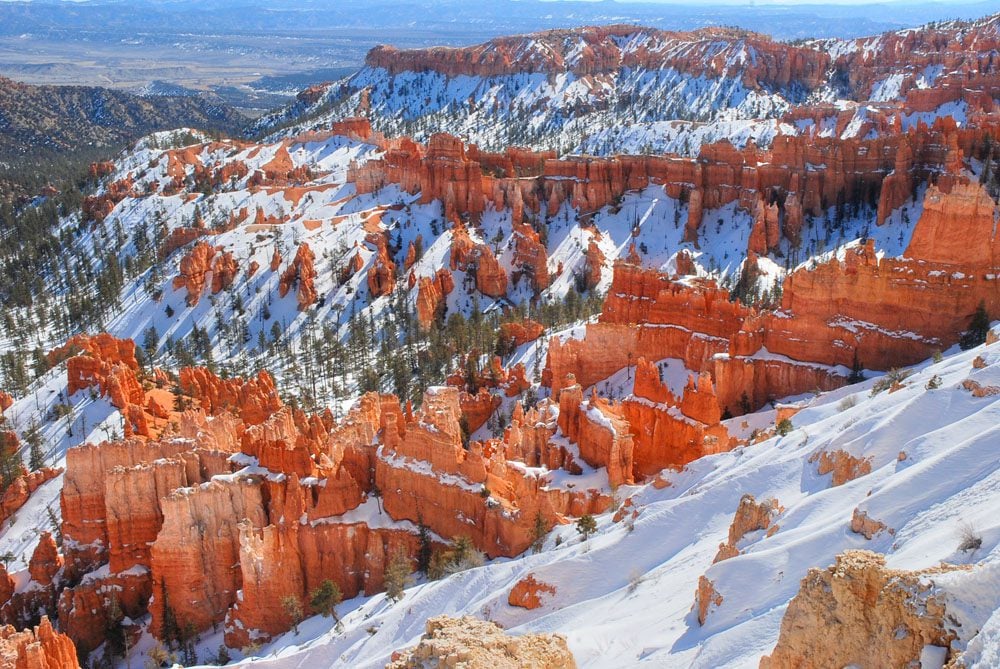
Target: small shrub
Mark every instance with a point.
(848, 402)
(538, 532)
(586, 525)
(158, 656)
(251, 649)
(222, 656)
(292, 607)
(635, 579)
(325, 598)
(970, 539)
(397, 576)
(934, 383)
(785, 427)
(891, 378)
(978, 328)
(937, 357)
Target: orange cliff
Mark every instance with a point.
(245, 495)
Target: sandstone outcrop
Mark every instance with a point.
(529, 593)
(750, 517)
(842, 465)
(858, 612)
(382, 275)
(431, 294)
(246, 501)
(468, 643)
(706, 597)
(863, 524)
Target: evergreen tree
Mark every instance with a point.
(979, 327)
(397, 576)
(325, 598)
(586, 525)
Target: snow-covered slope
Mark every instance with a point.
(624, 597)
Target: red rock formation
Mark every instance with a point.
(6, 401)
(104, 347)
(530, 257)
(253, 400)
(180, 237)
(593, 263)
(478, 260)
(864, 525)
(300, 273)
(38, 648)
(45, 562)
(411, 253)
(844, 466)
(353, 266)
(224, 271)
(521, 332)
(750, 517)
(382, 274)
(599, 430)
(528, 593)
(431, 293)
(193, 267)
(478, 408)
(110, 365)
(22, 487)
(705, 598)
(179, 532)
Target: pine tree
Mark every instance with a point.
(325, 598)
(538, 533)
(292, 607)
(979, 327)
(397, 576)
(425, 551)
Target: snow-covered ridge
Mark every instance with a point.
(627, 89)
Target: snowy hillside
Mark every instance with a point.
(625, 597)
